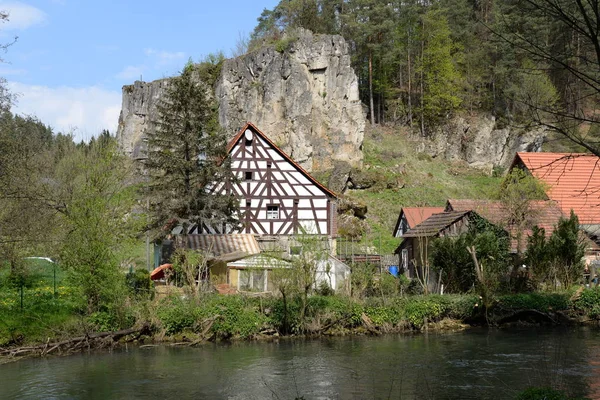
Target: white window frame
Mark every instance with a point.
(251, 272)
(273, 213)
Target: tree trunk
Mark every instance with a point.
(410, 116)
(371, 104)
(422, 87)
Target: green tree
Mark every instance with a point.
(558, 259)
(539, 257)
(25, 162)
(187, 164)
(568, 249)
(93, 187)
(517, 193)
(439, 77)
(561, 37)
(450, 257)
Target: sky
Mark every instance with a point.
(72, 57)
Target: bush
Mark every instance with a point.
(236, 317)
(388, 285)
(139, 282)
(233, 316)
(324, 289)
(463, 307)
(417, 309)
(534, 301)
(177, 315)
(589, 303)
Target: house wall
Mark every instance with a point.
(218, 273)
(266, 178)
(232, 277)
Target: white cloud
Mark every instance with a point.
(164, 57)
(21, 16)
(82, 111)
(131, 72)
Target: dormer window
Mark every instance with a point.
(248, 175)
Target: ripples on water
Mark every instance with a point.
(476, 364)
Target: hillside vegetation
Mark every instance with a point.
(402, 177)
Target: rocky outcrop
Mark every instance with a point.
(480, 142)
(138, 109)
(303, 94)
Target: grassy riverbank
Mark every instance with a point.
(46, 316)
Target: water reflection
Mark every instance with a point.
(477, 364)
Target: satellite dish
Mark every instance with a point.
(248, 135)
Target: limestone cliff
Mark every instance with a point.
(480, 142)
(304, 97)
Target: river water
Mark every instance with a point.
(476, 364)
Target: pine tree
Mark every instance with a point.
(439, 76)
(187, 160)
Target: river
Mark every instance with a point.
(475, 364)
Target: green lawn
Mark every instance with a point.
(38, 309)
(416, 179)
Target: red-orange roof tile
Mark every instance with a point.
(544, 214)
(415, 215)
(573, 180)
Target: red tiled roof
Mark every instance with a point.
(544, 213)
(416, 215)
(573, 180)
(237, 137)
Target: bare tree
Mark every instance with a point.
(575, 58)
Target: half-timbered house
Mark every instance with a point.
(277, 196)
(279, 201)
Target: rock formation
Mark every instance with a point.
(480, 142)
(304, 97)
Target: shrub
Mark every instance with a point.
(463, 307)
(589, 303)
(388, 285)
(418, 308)
(534, 301)
(235, 316)
(177, 315)
(324, 289)
(139, 282)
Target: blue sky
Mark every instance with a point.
(72, 57)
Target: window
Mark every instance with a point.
(248, 175)
(252, 280)
(405, 259)
(272, 212)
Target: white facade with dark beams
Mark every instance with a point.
(277, 196)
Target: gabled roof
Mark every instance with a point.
(544, 213)
(436, 223)
(573, 180)
(222, 247)
(416, 215)
(250, 125)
